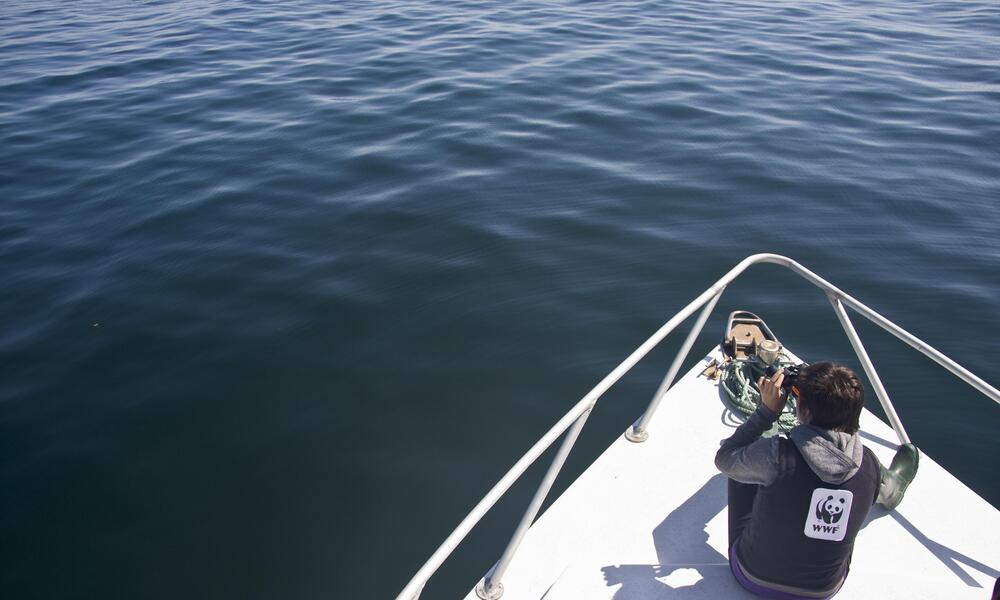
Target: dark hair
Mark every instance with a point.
(833, 395)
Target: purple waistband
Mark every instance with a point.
(756, 588)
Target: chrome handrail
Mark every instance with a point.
(490, 587)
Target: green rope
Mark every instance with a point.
(739, 381)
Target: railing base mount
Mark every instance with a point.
(636, 436)
(494, 593)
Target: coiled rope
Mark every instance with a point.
(739, 381)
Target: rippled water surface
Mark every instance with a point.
(287, 287)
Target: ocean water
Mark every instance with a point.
(288, 286)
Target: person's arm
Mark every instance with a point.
(746, 457)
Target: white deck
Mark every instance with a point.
(648, 521)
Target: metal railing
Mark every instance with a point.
(491, 588)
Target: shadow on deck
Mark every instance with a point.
(688, 566)
(691, 568)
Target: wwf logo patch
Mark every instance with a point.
(829, 512)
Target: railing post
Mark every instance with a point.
(866, 362)
(637, 433)
(490, 588)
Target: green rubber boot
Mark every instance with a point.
(898, 476)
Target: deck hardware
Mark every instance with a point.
(493, 593)
(768, 351)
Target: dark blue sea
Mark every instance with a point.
(286, 287)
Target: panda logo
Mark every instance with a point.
(828, 514)
(829, 510)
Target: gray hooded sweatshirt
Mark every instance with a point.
(834, 456)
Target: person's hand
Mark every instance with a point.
(770, 391)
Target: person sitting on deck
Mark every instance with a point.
(797, 503)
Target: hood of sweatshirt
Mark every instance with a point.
(834, 456)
